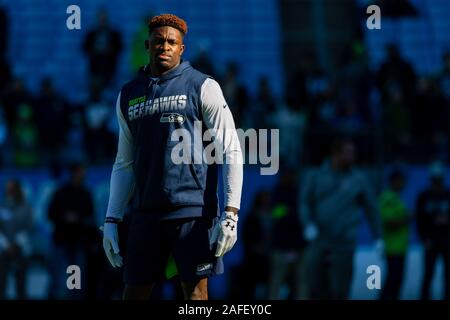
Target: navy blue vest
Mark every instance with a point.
(153, 109)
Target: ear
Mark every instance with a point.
(182, 49)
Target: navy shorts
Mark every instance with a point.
(151, 241)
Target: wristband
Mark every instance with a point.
(112, 220)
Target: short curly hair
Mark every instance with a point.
(167, 20)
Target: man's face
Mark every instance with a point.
(165, 48)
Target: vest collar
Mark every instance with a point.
(184, 65)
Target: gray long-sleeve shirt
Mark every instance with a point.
(333, 200)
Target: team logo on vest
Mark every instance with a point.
(139, 107)
(171, 118)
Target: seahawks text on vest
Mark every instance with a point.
(140, 107)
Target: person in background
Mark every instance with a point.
(4, 30)
(256, 240)
(102, 46)
(71, 211)
(99, 140)
(139, 56)
(52, 120)
(396, 73)
(331, 200)
(16, 226)
(287, 240)
(234, 92)
(433, 223)
(395, 218)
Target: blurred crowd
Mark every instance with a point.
(303, 247)
(392, 113)
(298, 239)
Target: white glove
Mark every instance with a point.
(111, 244)
(226, 233)
(379, 247)
(310, 232)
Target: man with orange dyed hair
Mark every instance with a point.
(175, 207)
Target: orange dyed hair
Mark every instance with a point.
(169, 20)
